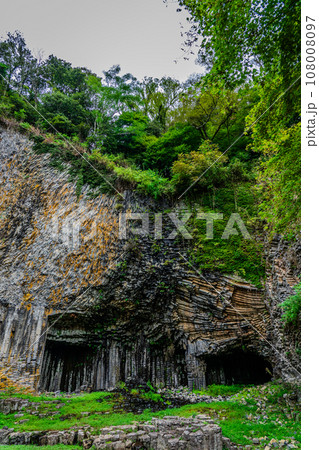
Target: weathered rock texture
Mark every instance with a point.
(160, 434)
(81, 307)
(170, 432)
(283, 263)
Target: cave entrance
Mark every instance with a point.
(65, 367)
(238, 367)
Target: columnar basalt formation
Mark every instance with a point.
(284, 268)
(81, 307)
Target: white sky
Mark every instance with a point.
(143, 36)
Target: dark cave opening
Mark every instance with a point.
(238, 367)
(65, 367)
(68, 366)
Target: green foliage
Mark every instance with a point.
(62, 76)
(131, 134)
(134, 392)
(160, 98)
(237, 256)
(20, 115)
(13, 105)
(121, 385)
(6, 106)
(210, 108)
(242, 37)
(149, 384)
(99, 170)
(219, 389)
(65, 113)
(18, 60)
(292, 308)
(163, 151)
(3, 72)
(25, 126)
(277, 136)
(260, 42)
(153, 396)
(206, 163)
(146, 181)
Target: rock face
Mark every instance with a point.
(80, 307)
(171, 432)
(283, 262)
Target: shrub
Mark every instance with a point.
(292, 308)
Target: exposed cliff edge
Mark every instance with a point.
(78, 306)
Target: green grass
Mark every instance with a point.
(152, 396)
(215, 390)
(240, 416)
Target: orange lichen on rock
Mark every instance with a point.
(10, 385)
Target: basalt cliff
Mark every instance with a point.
(81, 307)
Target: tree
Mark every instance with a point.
(110, 100)
(19, 61)
(3, 74)
(205, 167)
(279, 180)
(159, 98)
(131, 134)
(237, 175)
(242, 38)
(259, 40)
(122, 91)
(60, 75)
(161, 152)
(208, 109)
(66, 114)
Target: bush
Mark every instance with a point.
(205, 163)
(292, 308)
(162, 152)
(145, 181)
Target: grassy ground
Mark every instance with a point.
(264, 412)
(220, 389)
(35, 447)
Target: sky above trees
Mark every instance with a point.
(143, 36)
